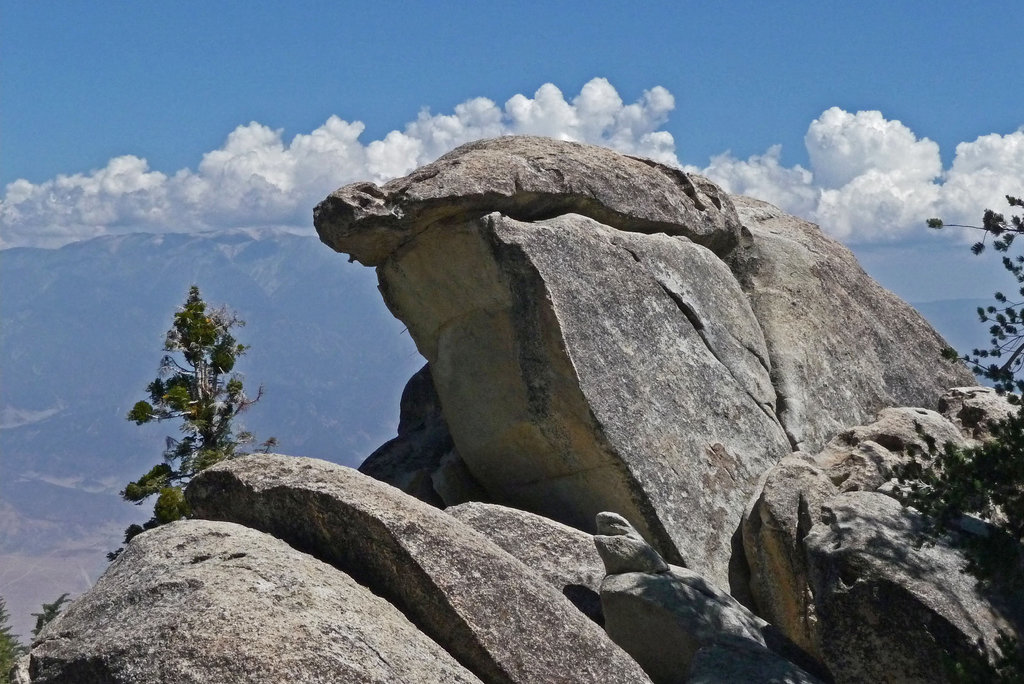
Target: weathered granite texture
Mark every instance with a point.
(841, 347)
(199, 601)
(845, 570)
(606, 333)
(562, 555)
(499, 618)
(665, 615)
(527, 178)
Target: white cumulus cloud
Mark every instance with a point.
(764, 177)
(869, 178)
(872, 179)
(843, 146)
(257, 178)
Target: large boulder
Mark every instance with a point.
(852, 578)
(841, 347)
(200, 601)
(529, 179)
(604, 334)
(495, 615)
(562, 555)
(890, 608)
(582, 368)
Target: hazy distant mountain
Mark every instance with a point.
(81, 331)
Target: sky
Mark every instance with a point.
(868, 118)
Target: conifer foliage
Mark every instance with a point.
(48, 613)
(987, 480)
(1003, 361)
(10, 648)
(196, 385)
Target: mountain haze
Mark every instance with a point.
(81, 336)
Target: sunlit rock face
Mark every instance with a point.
(499, 618)
(201, 601)
(607, 333)
(841, 346)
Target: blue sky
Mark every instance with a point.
(847, 113)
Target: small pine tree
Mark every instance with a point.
(196, 386)
(48, 613)
(10, 648)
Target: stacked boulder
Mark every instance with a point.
(848, 573)
(614, 347)
(606, 333)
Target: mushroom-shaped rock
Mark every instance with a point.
(527, 178)
(495, 615)
(604, 335)
(200, 601)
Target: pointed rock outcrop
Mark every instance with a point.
(775, 524)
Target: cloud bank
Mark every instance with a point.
(869, 178)
(257, 179)
(872, 179)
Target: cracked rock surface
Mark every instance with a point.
(606, 333)
(573, 381)
(841, 346)
(496, 616)
(200, 601)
